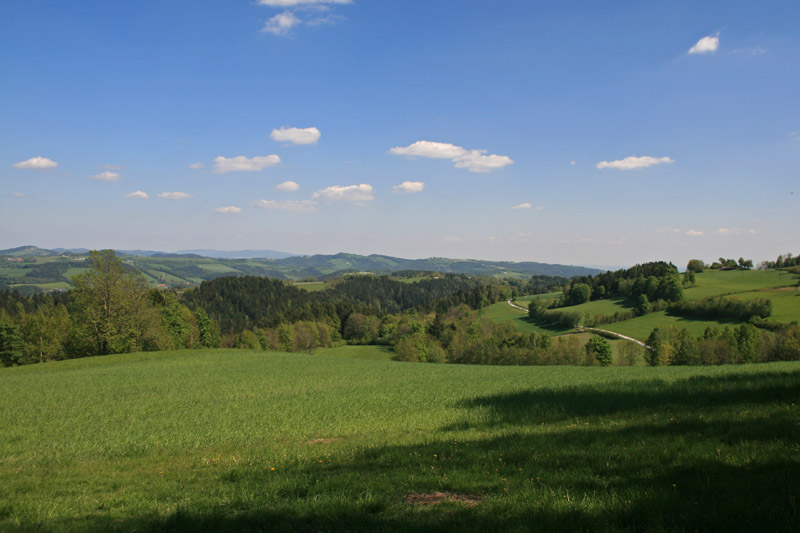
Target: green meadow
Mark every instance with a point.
(725, 282)
(501, 312)
(312, 286)
(345, 440)
(641, 327)
(785, 302)
(780, 287)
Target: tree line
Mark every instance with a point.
(109, 310)
(746, 343)
(434, 319)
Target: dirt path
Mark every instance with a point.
(515, 306)
(640, 343)
(581, 328)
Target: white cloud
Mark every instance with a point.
(112, 167)
(296, 135)
(573, 162)
(137, 194)
(287, 186)
(527, 205)
(757, 51)
(196, 166)
(107, 176)
(632, 162)
(18, 195)
(706, 45)
(232, 209)
(281, 24)
(435, 150)
(244, 164)
(409, 187)
(297, 3)
(736, 231)
(175, 195)
(694, 233)
(39, 163)
(304, 206)
(350, 193)
(315, 13)
(473, 160)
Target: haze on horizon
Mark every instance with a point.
(525, 131)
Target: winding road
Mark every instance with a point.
(581, 328)
(515, 306)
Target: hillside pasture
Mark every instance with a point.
(369, 353)
(600, 307)
(785, 302)
(641, 327)
(722, 282)
(776, 285)
(501, 311)
(311, 286)
(548, 297)
(228, 440)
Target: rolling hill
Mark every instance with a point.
(32, 269)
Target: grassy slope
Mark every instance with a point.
(237, 440)
(311, 286)
(785, 302)
(777, 286)
(714, 283)
(502, 311)
(735, 284)
(641, 327)
(601, 307)
(369, 353)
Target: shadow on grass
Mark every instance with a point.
(553, 328)
(697, 392)
(724, 472)
(718, 323)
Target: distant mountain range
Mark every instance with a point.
(42, 268)
(239, 254)
(35, 251)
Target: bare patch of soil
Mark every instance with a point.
(322, 440)
(435, 498)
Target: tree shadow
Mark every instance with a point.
(551, 327)
(724, 472)
(558, 404)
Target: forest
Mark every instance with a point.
(422, 317)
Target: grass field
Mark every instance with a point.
(63, 285)
(602, 307)
(311, 286)
(641, 327)
(544, 297)
(778, 286)
(714, 283)
(370, 353)
(501, 311)
(243, 441)
(785, 302)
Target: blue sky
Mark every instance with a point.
(597, 133)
